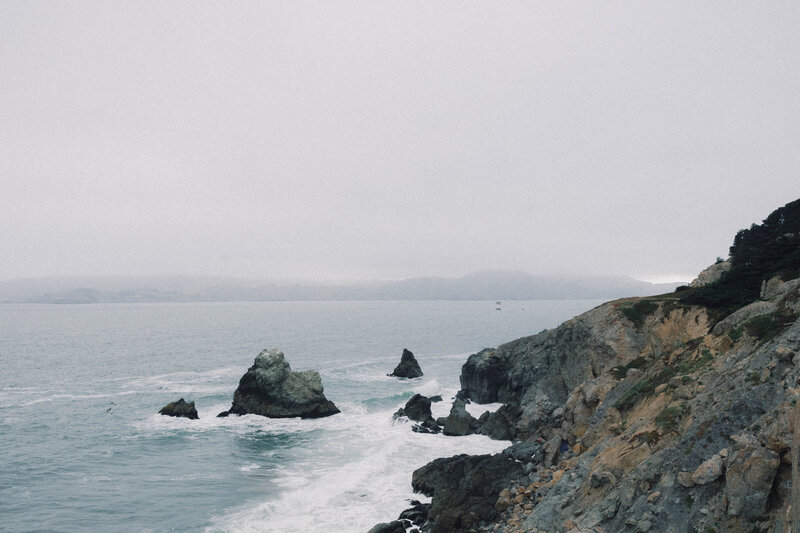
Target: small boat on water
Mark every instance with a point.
(497, 306)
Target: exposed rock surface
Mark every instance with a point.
(465, 487)
(270, 388)
(643, 415)
(459, 422)
(408, 367)
(666, 414)
(181, 408)
(711, 274)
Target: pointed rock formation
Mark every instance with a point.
(408, 366)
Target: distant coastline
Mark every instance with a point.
(487, 285)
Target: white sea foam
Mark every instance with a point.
(351, 483)
(429, 388)
(216, 381)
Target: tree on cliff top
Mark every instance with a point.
(758, 253)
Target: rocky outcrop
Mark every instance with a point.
(711, 274)
(647, 415)
(459, 422)
(408, 367)
(181, 408)
(464, 488)
(418, 409)
(270, 388)
(750, 473)
(663, 414)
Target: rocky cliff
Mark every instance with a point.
(643, 414)
(653, 416)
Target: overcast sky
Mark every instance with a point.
(360, 140)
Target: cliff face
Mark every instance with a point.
(652, 415)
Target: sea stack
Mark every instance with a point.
(270, 388)
(181, 408)
(408, 366)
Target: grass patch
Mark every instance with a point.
(650, 438)
(668, 419)
(766, 327)
(639, 311)
(685, 364)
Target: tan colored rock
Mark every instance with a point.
(711, 274)
(709, 471)
(685, 479)
(748, 481)
(654, 496)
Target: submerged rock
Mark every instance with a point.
(270, 388)
(408, 366)
(181, 408)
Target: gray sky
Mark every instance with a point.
(355, 140)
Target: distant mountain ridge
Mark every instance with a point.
(485, 285)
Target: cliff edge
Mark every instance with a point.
(667, 414)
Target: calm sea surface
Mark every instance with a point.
(82, 448)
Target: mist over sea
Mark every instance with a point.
(82, 447)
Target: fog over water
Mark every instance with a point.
(382, 140)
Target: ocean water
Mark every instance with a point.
(82, 448)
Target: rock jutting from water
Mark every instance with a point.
(408, 366)
(181, 408)
(418, 409)
(270, 388)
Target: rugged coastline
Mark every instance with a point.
(668, 414)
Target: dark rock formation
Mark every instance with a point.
(459, 422)
(270, 388)
(408, 366)
(500, 424)
(464, 488)
(418, 409)
(391, 527)
(417, 514)
(180, 408)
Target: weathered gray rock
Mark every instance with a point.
(408, 367)
(181, 408)
(711, 274)
(500, 424)
(464, 488)
(748, 481)
(270, 388)
(459, 422)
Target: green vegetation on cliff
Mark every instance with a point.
(758, 253)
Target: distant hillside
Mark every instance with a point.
(489, 285)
